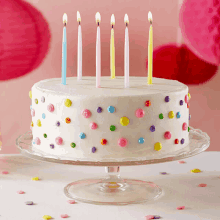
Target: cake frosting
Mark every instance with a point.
(81, 121)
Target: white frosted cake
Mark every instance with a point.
(82, 122)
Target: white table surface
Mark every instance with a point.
(180, 188)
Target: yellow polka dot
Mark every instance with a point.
(68, 103)
(30, 94)
(189, 96)
(124, 121)
(0, 143)
(157, 146)
(32, 124)
(46, 217)
(196, 171)
(171, 114)
(35, 178)
(38, 123)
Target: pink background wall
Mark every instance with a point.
(15, 103)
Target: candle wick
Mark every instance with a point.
(151, 22)
(79, 22)
(65, 24)
(112, 26)
(98, 23)
(126, 24)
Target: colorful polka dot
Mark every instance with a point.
(30, 94)
(37, 141)
(148, 103)
(32, 112)
(111, 109)
(152, 128)
(57, 123)
(167, 99)
(180, 207)
(52, 146)
(167, 135)
(103, 142)
(73, 145)
(93, 125)
(38, 123)
(139, 113)
(196, 171)
(59, 140)
(188, 129)
(86, 113)
(45, 135)
(99, 109)
(202, 185)
(186, 99)
(32, 124)
(171, 114)
(122, 142)
(189, 96)
(184, 126)
(67, 103)
(67, 120)
(149, 217)
(43, 99)
(189, 116)
(30, 106)
(188, 105)
(182, 141)
(161, 116)
(82, 135)
(47, 217)
(178, 115)
(36, 101)
(112, 128)
(50, 107)
(176, 141)
(124, 121)
(181, 102)
(157, 146)
(141, 140)
(43, 116)
(93, 149)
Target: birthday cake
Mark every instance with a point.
(81, 121)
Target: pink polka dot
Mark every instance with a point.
(148, 217)
(71, 201)
(50, 107)
(202, 185)
(59, 140)
(184, 126)
(20, 192)
(167, 135)
(140, 113)
(186, 99)
(37, 141)
(122, 142)
(32, 112)
(5, 172)
(180, 207)
(86, 113)
(93, 125)
(64, 216)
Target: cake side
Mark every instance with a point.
(112, 122)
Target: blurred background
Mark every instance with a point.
(15, 103)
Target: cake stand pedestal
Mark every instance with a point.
(112, 189)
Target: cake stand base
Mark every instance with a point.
(112, 190)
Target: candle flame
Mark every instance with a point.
(126, 19)
(98, 17)
(112, 19)
(78, 17)
(65, 18)
(150, 18)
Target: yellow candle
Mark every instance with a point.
(112, 49)
(150, 49)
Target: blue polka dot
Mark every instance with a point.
(30, 106)
(43, 116)
(141, 140)
(178, 114)
(82, 135)
(33, 142)
(111, 109)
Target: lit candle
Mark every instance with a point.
(64, 55)
(126, 54)
(112, 49)
(79, 55)
(150, 49)
(98, 51)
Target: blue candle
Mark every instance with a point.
(64, 50)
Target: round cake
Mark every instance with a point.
(83, 122)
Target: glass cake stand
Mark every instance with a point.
(112, 189)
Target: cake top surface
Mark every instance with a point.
(109, 87)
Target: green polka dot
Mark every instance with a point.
(161, 116)
(188, 129)
(112, 128)
(36, 101)
(45, 135)
(72, 145)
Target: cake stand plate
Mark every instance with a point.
(112, 189)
